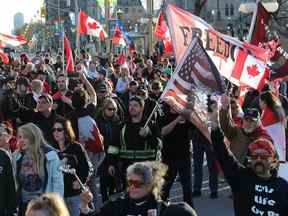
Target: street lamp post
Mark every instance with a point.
(150, 26)
(59, 24)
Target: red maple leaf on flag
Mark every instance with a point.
(93, 25)
(253, 70)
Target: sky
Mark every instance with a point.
(10, 7)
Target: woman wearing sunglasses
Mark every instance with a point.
(37, 166)
(73, 156)
(109, 125)
(144, 185)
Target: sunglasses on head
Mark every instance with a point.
(57, 129)
(135, 183)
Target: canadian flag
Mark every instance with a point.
(12, 40)
(89, 26)
(68, 54)
(260, 38)
(162, 32)
(4, 57)
(118, 38)
(121, 59)
(249, 71)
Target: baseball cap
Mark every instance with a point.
(179, 209)
(103, 71)
(252, 113)
(102, 87)
(262, 146)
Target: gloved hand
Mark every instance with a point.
(144, 132)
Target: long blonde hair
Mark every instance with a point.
(35, 136)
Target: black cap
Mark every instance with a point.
(102, 87)
(138, 100)
(23, 81)
(179, 209)
(252, 113)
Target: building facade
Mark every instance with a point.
(18, 21)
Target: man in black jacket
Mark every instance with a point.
(8, 202)
(257, 190)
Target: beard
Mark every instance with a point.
(259, 168)
(248, 130)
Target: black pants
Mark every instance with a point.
(183, 168)
(108, 184)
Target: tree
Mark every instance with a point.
(198, 6)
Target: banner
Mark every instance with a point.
(222, 49)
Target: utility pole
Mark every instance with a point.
(76, 23)
(150, 26)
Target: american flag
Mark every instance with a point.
(194, 78)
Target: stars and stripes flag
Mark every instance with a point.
(194, 78)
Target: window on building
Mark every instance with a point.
(226, 9)
(126, 10)
(231, 9)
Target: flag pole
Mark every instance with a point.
(63, 54)
(77, 41)
(253, 22)
(151, 114)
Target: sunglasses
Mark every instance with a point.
(111, 109)
(135, 183)
(57, 129)
(262, 157)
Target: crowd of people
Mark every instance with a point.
(60, 132)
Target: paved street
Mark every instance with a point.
(204, 205)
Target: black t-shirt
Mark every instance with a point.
(176, 144)
(252, 195)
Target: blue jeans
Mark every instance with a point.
(199, 148)
(96, 159)
(73, 205)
